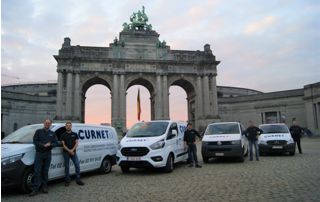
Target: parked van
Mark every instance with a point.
(275, 138)
(96, 151)
(157, 144)
(225, 139)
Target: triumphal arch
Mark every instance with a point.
(137, 57)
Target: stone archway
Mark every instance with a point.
(138, 53)
(85, 86)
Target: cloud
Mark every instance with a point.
(261, 25)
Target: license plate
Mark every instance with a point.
(219, 154)
(134, 158)
(277, 147)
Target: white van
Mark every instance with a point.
(275, 138)
(153, 144)
(96, 151)
(225, 139)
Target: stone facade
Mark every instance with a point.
(137, 58)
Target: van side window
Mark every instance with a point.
(59, 132)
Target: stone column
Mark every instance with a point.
(165, 97)
(206, 93)
(77, 97)
(214, 96)
(69, 96)
(122, 98)
(115, 99)
(199, 100)
(59, 109)
(159, 105)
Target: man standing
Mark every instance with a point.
(252, 133)
(190, 140)
(70, 142)
(44, 140)
(296, 132)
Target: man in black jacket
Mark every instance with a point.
(190, 140)
(296, 132)
(44, 140)
(252, 133)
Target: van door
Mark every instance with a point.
(57, 162)
(182, 150)
(172, 140)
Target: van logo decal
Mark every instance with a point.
(219, 143)
(134, 149)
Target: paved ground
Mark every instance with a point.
(273, 178)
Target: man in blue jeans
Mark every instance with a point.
(70, 141)
(44, 140)
(252, 133)
(190, 141)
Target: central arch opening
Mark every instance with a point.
(98, 105)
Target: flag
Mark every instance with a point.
(138, 105)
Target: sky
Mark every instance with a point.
(268, 46)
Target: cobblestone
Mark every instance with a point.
(273, 178)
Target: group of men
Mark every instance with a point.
(44, 140)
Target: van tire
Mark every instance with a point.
(169, 165)
(292, 153)
(27, 180)
(205, 159)
(125, 169)
(106, 166)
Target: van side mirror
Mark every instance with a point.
(172, 134)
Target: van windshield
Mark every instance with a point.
(148, 129)
(22, 135)
(218, 129)
(274, 129)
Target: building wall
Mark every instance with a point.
(303, 104)
(18, 109)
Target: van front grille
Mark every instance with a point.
(134, 151)
(276, 142)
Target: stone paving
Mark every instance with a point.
(273, 178)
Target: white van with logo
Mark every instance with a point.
(276, 138)
(225, 139)
(157, 144)
(96, 151)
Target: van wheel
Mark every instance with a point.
(106, 166)
(292, 153)
(205, 159)
(169, 165)
(27, 180)
(125, 169)
(247, 153)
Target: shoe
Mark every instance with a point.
(191, 165)
(80, 183)
(44, 190)
(66, 184)
(198, 166)
(33, 193)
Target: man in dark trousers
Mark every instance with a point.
(190, 140)
(44, 140)
(70, 141)
(296, 132)
(252, 133)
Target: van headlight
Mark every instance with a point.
(158, 145)
(11, 159)
(262, 142)
(290, 141)
(236, 142)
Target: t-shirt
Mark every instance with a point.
(69, 139)
(190, 136)
(253, 132)
(295, 131)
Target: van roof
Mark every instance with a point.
(170, 121)
(76, 124)
(224, 123)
